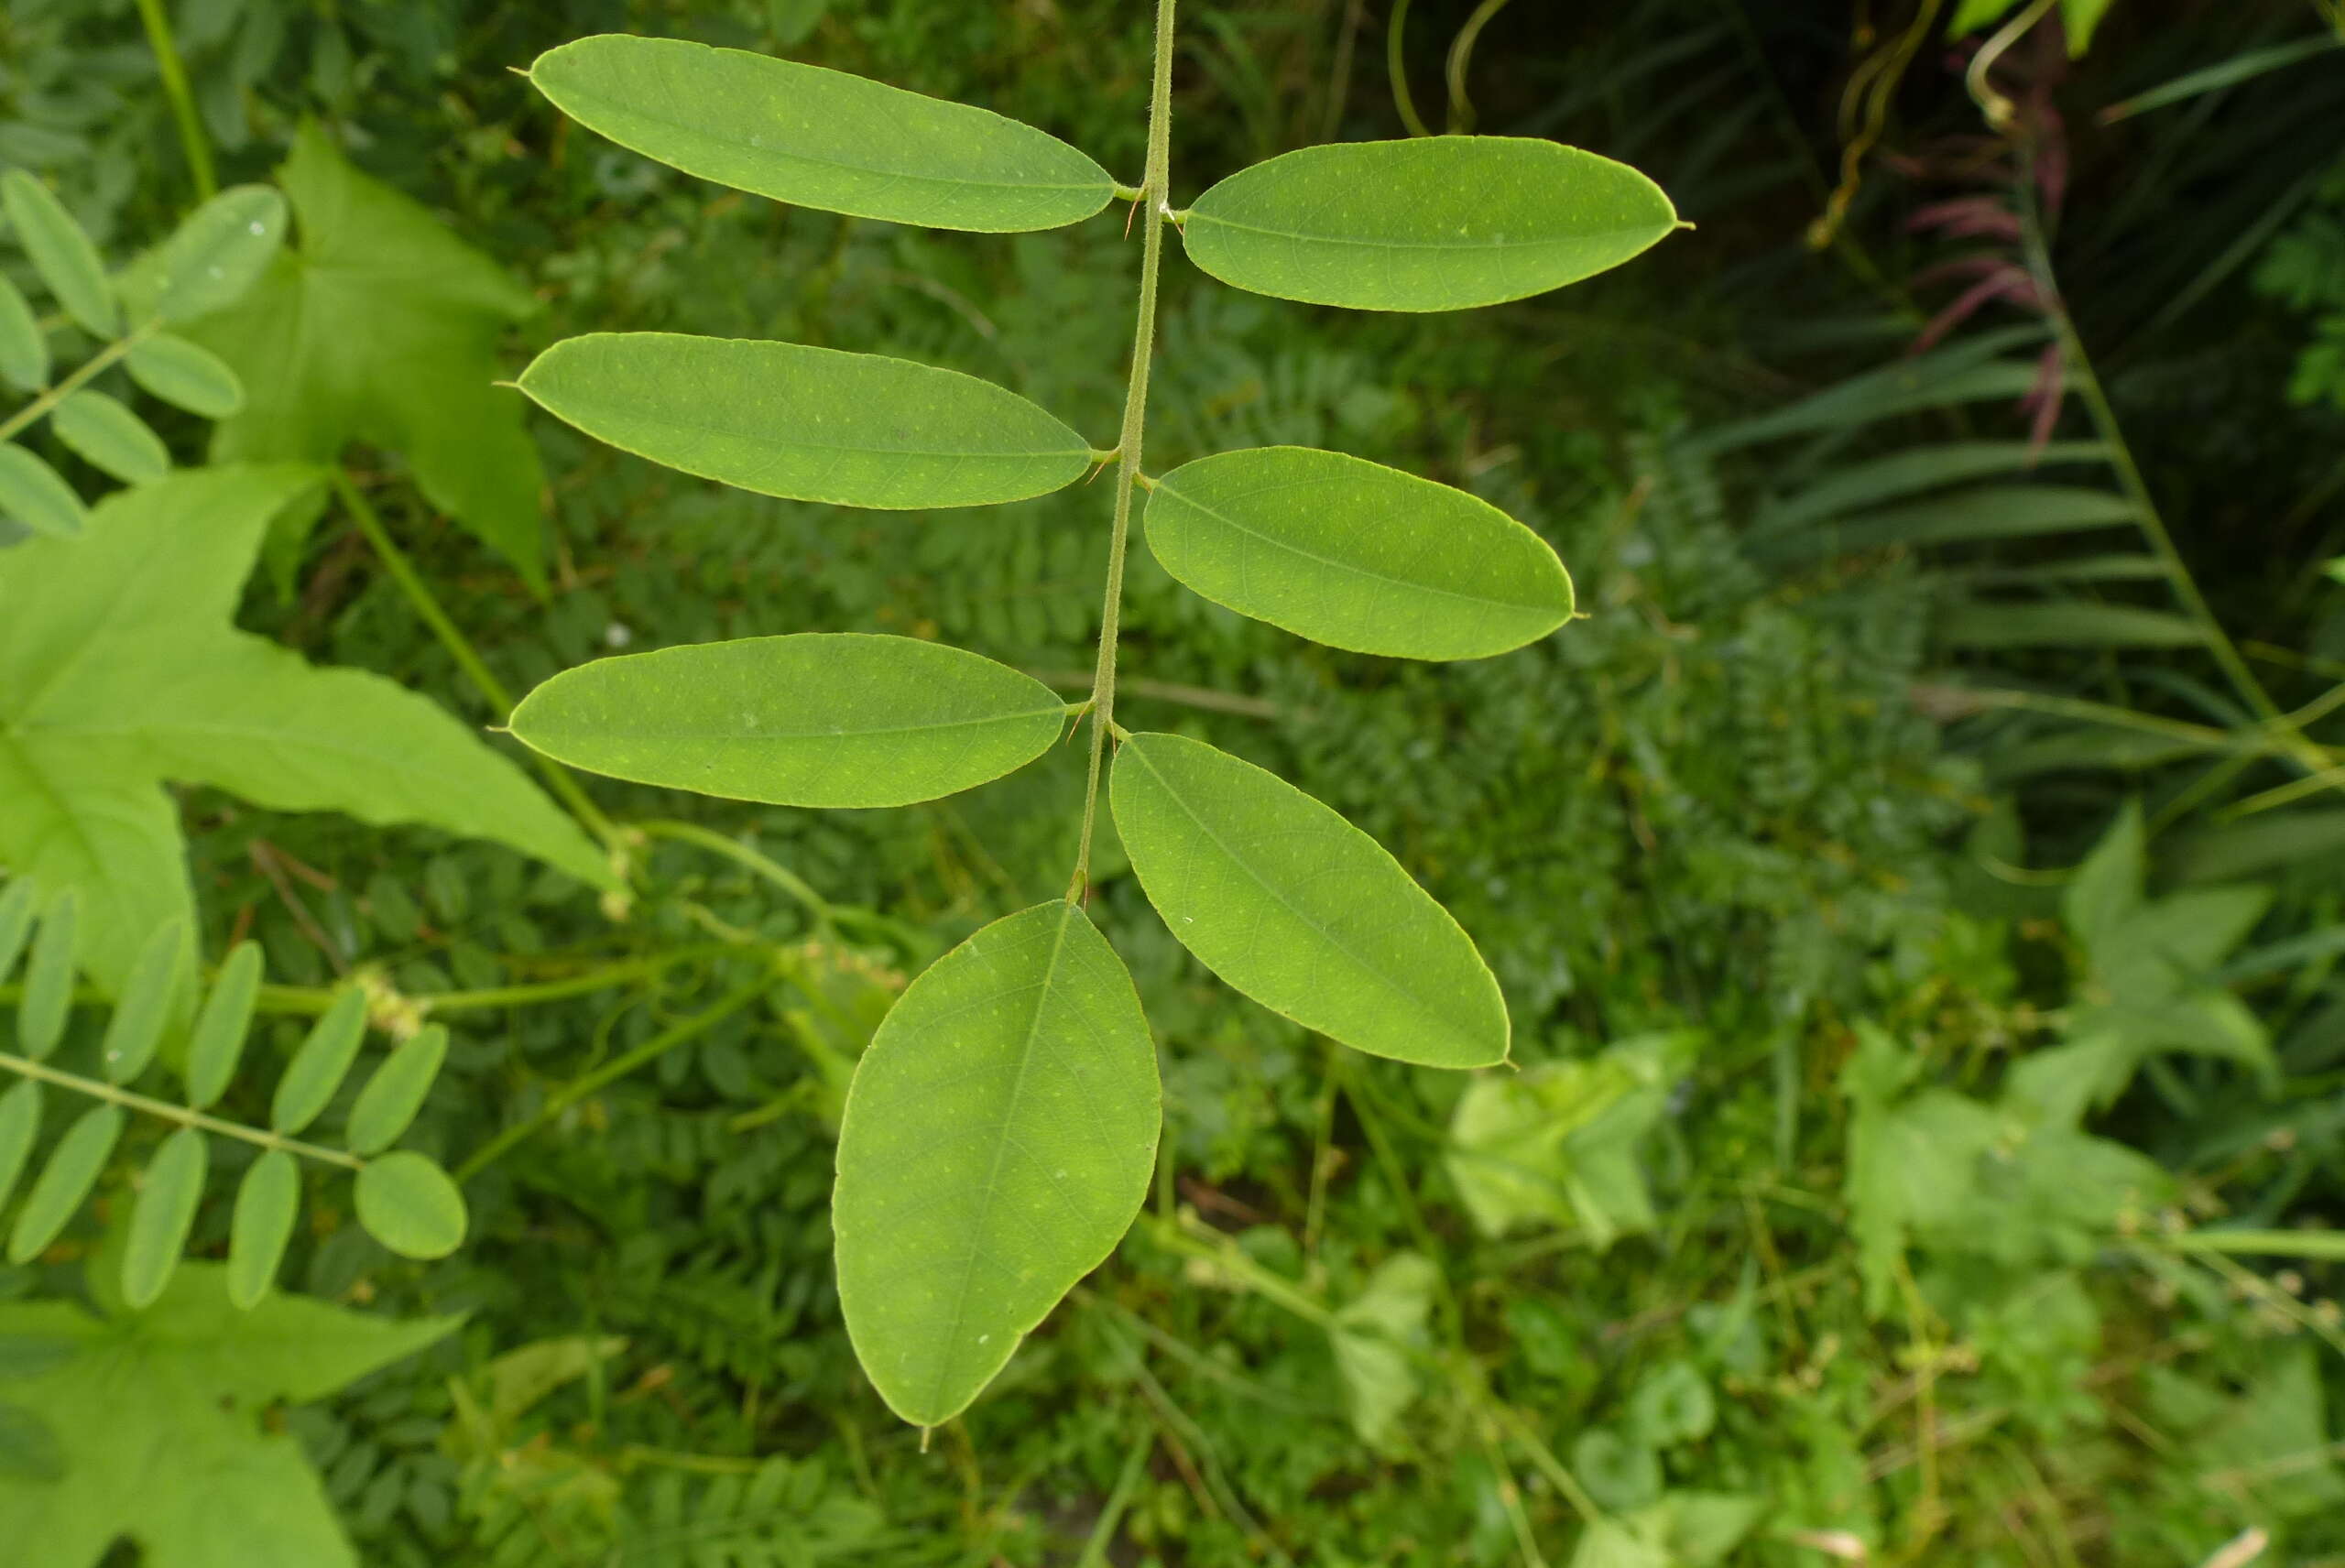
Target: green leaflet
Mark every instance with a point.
(36, 496)
(321, 1064)
(1299, 910)
(811, 424)
(72, 1170)
(218, 251)
(160, 1221)
(1356, 555)
(1428, 224)
(48, 998)
(395, 1091)
(261, 1225)
(19, 1121)
(410, 1205)
(186, 375)
(996, 1143)
(218, 1038)
(110, 438)
(19, 902)
(24, 348)
(821, 138)
(815, 719)
(145, 1006)
(60, 252)
(181, 694)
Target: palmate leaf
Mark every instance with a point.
(1301, 911)
(997, 1141)
(1430, 224)
(815, 719)
(821, 138)
(380, 326)
(809, 424)
(1356, 555)
(85, 742)
(161, 1421)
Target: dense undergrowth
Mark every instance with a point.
(1929, 1091)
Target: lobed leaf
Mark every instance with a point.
(60, 252)
(47, 996)
(37, 496)
(395, 1091)
(813, 719)
(260, 1226)
(809, 424)
(186, 375)
(218, 251)
(145, 1006)
(19, 903)
(162, 1216)
(1426, 223)
(821, 138)
(1299, 910)
(1356, 555)
(997, 1142)
(72, 1170)
(410, 1205)
(110, 438)
(320, 1063)
(218, 1039)
(20, 1123)
(24, 347)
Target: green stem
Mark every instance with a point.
(577, 1089)
(780, 876)
(1156, 184)
(174, 74)
(185, 1115)
(73, 383)
(427, 607)
(310, 999)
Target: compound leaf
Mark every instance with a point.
(410, 1205)
(320, 1063)
(72, 1170)
(186, 375)
(815, 719)
(212, 1481)
(145, 1006)
(261, 1224)
(218, 251)
(1428, 224)
(1299, 910)
(110, 438)
(37, 496)
(60, 252)
(218, 1038)
(395, 1091)
(24, 347)
(382, 326)
(85, 742)
(821, 138)
(996, 1143)
(811, 424)
(161, 1219)
(1356, 555)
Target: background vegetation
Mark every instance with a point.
(1917, 882)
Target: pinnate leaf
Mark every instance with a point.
(24, 348)
(219, 250)
(261, 1224)
(186, 375)
(112, 439)
(1429, 223)
(410, 1205)
(60, 252)
(1299, 910)
(821, 138)
(815, 719)
(145, 1006)
(996, 1143)
(811, 424)
(218, 1039)
(395, 1091)
(321, 1062)
(35, 495)
(161, 1217)
(1356, 555)
(72, 1170)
